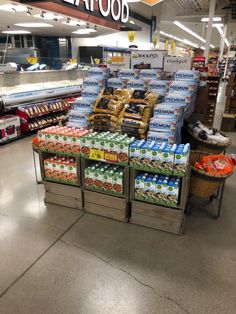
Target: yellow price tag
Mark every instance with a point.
(111, 157)
(73, 60)
(32, 60)
(96, 154)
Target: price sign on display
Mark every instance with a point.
(32, 60)
(111, 157)
(96, 154)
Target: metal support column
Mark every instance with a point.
(222, 42)
(209, 29)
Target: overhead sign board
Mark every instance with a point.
(117, 9)
(174, 64)
(152, 59)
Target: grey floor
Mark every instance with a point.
(58, 260)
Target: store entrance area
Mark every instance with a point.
(59, 260)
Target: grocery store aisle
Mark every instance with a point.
(58, 260)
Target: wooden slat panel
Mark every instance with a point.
(62, 200)
(156, 211)
(160, 224)
(104, 200)
(62, 189)
(104, 211)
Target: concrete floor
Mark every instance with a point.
(57, 260)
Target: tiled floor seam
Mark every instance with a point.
(38, 258)
(128, 273)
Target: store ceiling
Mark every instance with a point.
(9, 19)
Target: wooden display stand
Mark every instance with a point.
(159, 217)
(122, 207)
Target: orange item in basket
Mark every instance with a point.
(217, 164)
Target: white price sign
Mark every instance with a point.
(174, 64)
(151, 58)
(119, 63)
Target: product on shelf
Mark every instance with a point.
(61, 169)
(81, 110)
(160, 157)
(158, 86)
(61, 139)
(106, 146)
(9, 128)
(217, 164)
(39, 115)
(158, 189)
(105, 178)
(209, 135)
(44, 108)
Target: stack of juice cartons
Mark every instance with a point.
(82, 107)
(159, 189)
(61, 169)
(104, 177)
(61, 139)
(109, 143)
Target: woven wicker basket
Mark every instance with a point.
(204, 146)
(202, 183)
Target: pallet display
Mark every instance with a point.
(165, 218)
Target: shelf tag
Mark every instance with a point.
(111, 157)
(96, 154)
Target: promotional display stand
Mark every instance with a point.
(123, 208)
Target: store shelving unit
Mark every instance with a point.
(213, 87)
(161, 217)
(43, 114)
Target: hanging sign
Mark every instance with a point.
(173, 64)
(117, 9)
(153, 59)
(153, 27)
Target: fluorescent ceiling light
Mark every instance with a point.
(185, 41)
(220, 30)
(203, 48)
(13, 8)
(48, 16)
(34, 25)
(16, 32)
(188, 30)
(82, 31)
(188, 42)
(217, 24)
(226, 42)
(215, 19)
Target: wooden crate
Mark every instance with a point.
(106, 205)
(64, 195)
(156, 216)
